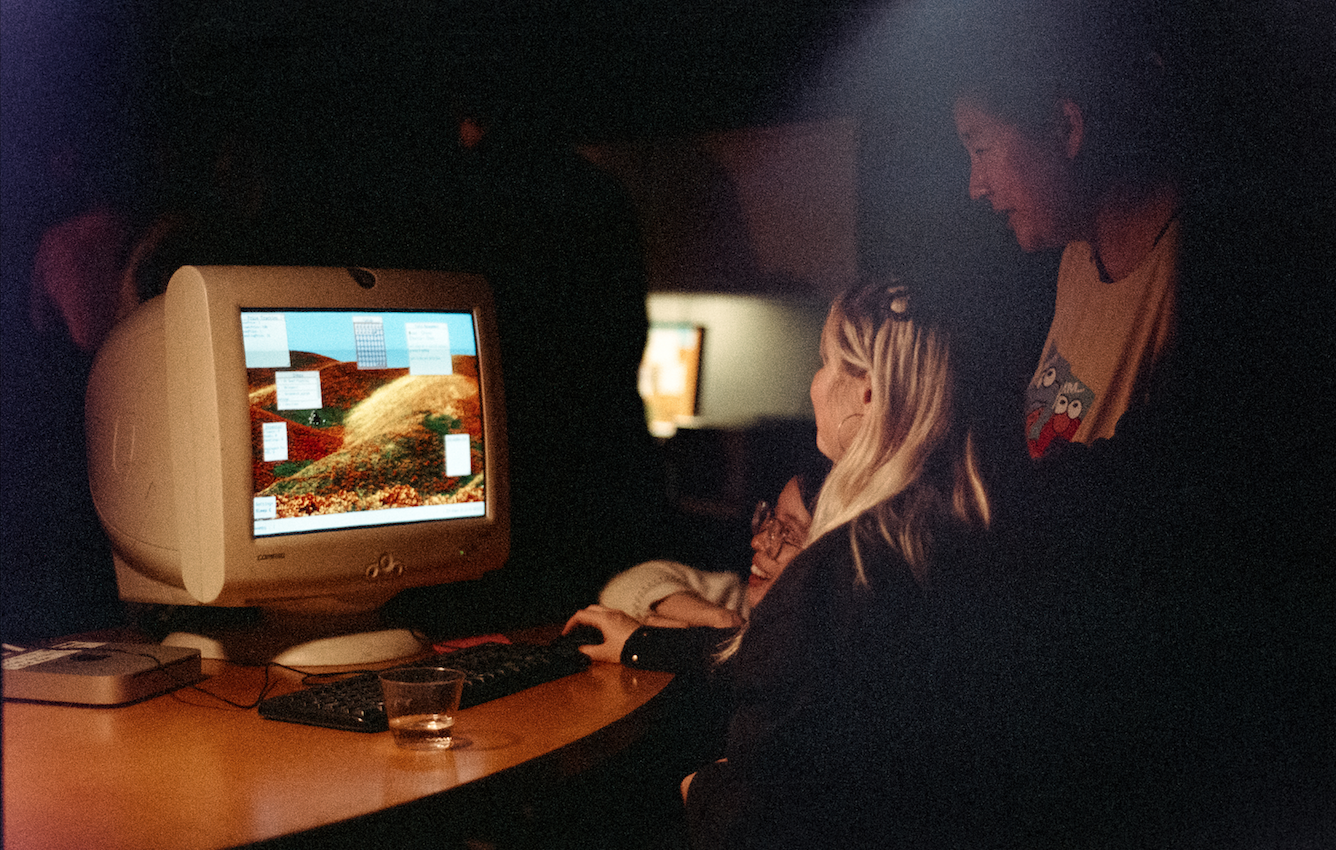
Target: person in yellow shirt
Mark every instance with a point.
(1161, 531)
(1115, 312)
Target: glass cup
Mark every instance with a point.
(421, 704)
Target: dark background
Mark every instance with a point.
(347, 105)
(347, 102)
(348, 112)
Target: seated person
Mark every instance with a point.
(673, 594)
(638, 605)
(670, 594)
(845, 730)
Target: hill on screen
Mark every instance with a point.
(305, 445)
(383, 449)
(342, 384)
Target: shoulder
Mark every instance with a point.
(1077, 264)
(834, 560)
(96, 225)
(819, 603)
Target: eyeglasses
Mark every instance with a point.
(775, 534)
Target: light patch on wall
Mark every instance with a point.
(759, 210)
(758, 353)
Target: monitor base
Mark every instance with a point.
(290, 638)
(339, 651)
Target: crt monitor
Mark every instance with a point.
(302, 443)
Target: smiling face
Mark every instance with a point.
(794, 522)
(1025, 179)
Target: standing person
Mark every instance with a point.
(559, 244)
(562, 252)
(1117, 286)
(835, 739)
(1166, 584)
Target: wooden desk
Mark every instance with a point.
(185, 771)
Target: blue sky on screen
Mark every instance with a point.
(330, 333)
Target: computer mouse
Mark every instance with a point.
(581, 635)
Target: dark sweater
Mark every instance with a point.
(838, 737)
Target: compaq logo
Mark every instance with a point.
(270, 557)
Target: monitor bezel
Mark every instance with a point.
(222, 561)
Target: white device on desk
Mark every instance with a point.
(98, 673)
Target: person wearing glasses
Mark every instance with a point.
(662, 615)
(668, 615)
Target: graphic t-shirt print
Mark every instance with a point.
(1055, 403)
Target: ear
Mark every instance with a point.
(866, 387)
(1073, 128)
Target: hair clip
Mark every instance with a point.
(898, 302)
(880, 300)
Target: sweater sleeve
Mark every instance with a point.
(637, 590)
(688, 650)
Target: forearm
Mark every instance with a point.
(685, 650)
(692, 610)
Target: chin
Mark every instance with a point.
(1031, 246)
(1028, 241)
(756, 593)
(1040, 238)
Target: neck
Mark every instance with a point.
(1128, 224)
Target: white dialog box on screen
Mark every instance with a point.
(275, 435)
(265, 338)
(458, 459)
(298, 390)
(266, 507)
(429, 348)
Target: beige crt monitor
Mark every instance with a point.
(305, 441)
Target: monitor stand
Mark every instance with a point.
(290, 636)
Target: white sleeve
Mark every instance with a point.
(637, 590)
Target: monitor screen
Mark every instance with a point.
(362, 419)
(301, 440)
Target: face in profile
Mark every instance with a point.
(837, 397)
(777, 541)
(1026, 180)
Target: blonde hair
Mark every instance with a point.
(911, 461)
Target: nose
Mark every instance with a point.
(758, 541)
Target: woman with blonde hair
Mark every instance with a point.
(908, 460)
(835, 738)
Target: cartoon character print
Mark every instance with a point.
(1056, 401)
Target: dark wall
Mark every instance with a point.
(325, 134)
(70, 81)
(346, 110)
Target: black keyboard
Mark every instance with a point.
(495, 670)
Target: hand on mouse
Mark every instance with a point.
(614, 625)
